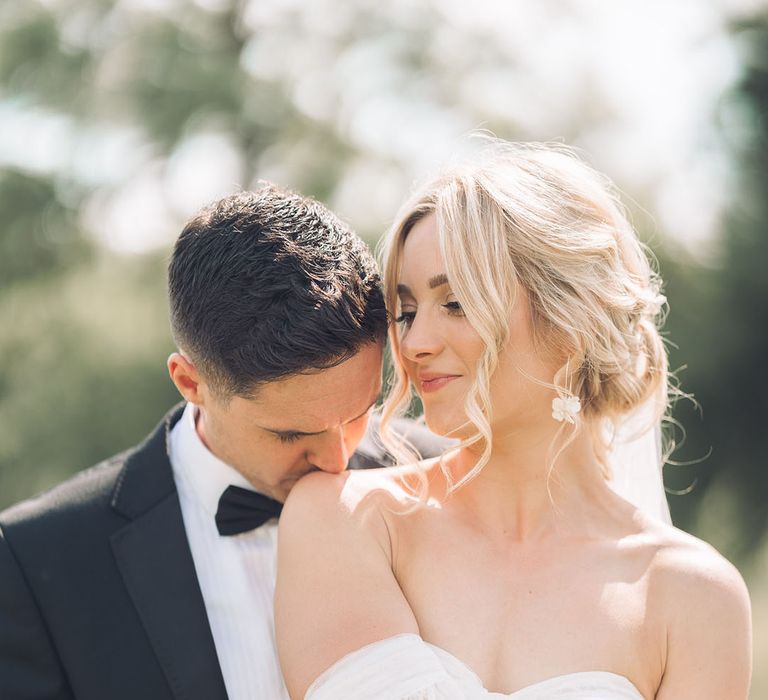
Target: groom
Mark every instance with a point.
(150, 576)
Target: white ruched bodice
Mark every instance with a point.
(405, 667)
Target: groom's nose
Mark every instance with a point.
(330, 452)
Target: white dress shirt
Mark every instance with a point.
(236, 573)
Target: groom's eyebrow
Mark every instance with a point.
(432, 283)
(302, 433)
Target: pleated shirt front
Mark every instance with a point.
(236, 573)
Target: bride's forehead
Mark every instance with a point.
(423, 231)
(420, 256)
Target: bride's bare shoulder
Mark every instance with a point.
(697, 587)
(366, 497)
(702, 603)
(335, 568)
(682, 559)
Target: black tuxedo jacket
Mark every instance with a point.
(99, 599)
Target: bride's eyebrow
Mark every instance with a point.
(432, 283)
(437, 281)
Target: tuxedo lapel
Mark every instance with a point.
(154, 559)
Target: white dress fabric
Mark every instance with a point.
(405, 667)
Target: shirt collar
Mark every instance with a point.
(205, 473)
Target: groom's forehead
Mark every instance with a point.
(315, 417)
(313, 400)
(307, 424)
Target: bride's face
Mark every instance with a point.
(440, 349)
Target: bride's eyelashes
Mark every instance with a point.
(406, 317)
(453, 308)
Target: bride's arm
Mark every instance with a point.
(335, 588)
(708, 655)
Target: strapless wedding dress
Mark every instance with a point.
(405, 667)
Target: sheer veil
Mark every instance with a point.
(636, 462)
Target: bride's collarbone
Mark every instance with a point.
(528, 589)
(515, 617)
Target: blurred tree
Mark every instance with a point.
(719, 319)
(122, 89)
(82, 374)
(745, 296)
(40, 235)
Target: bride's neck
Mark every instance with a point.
(521, 493)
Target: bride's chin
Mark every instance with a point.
(454, 427)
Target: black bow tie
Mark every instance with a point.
(241, 510)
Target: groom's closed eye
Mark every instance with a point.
(289, 437)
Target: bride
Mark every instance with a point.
(511, 568)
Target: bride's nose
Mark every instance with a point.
(422, 340)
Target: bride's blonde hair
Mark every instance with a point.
(535, 215)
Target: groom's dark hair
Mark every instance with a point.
(266, 284)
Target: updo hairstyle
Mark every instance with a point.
(536, 216)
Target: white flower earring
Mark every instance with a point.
(566, 405)
(565, 408)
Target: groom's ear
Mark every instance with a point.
(187, 379)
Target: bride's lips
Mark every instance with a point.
(435, 382)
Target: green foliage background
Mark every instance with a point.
(83, 329)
